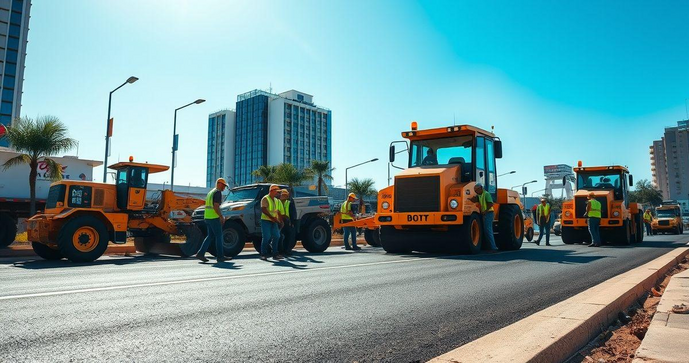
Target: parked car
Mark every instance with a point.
(557, 226)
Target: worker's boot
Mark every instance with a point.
(201, 257)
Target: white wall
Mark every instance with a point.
(230, 124)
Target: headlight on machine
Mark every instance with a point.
(568, 214)
(453, 204)
(385, 205)
(615, 214)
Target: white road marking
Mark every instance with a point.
(187, 281)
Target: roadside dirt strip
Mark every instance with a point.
(558, 332)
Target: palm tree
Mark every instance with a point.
(362, 188)
(36, 141)
(264, 174)
(286, 173)
(321, 169)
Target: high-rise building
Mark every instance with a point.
(220, 147)
(14, 29)
(671, 158)
(272, 129)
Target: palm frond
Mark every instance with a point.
(17, 160)
(54, 169)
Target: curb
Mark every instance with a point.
(556, 333)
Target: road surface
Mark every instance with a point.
(337, 306)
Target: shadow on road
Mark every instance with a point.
(38, 264)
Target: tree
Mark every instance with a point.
(321, 169)
(36, 141)
(286, 173)
(362, 188)
(646, 193)
(264, 174)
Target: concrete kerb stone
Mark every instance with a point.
(556, 333)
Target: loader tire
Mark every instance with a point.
(83, 239)
(639, 229)
(233, 240)
(510, 228)
(316, 236)
(571, 236)
(623, 236)
(470, 236)
(393, 241)
(529, 234)
(8, 230)
(372, 237)
(194, 239)
(147, 244)
(46, 252)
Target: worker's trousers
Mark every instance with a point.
(594, 230)
(270, 233)
(488, 229)
(214, 230)
(347, 232)
(544, 229)
(649, 230)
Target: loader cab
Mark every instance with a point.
(615, 179)
(472, 149)
(131, 182)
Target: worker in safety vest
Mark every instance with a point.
(270, 224)
(543, 220)
(593, 212)
(286, 211)
(648, 218)
(347, 215)
(214, 221)
(485, 204)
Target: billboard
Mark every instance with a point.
(557, 171)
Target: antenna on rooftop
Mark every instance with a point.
(454, 120)
(270, 87)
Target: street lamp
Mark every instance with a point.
(540, 190)
(108, 127)
(175, 141)
(524, 192)
(511, 172)
(346, 182)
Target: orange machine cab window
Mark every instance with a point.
(137, 188)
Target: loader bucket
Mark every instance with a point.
(191, 244)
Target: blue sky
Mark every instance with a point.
(560, 81)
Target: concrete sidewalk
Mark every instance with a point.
(667, 339)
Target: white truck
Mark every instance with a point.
(15, 194)
(242, 211)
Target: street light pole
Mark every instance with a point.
(347, 169)
(511, 172)
(175, 142)
(108, 127)
(524, 194)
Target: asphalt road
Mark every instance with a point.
(336, 306)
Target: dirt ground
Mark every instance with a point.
(622, 339)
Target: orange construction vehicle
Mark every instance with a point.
(621, 220)
(668, 218)
(429, 209)
(80, 218)
(368, 224)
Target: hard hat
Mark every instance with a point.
(222, 181)
(274, 187)
(592, 194)
(543, 199)
(351, 195)
(478, 185)
(284, 191)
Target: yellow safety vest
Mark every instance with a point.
(344, 209)
(286, 207)
(283, 207)
(209, 212)
(272, 208)
(484, 204)
(648, 217)
(595, 211)
(543, 211)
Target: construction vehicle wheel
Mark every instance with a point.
(393, 241)
(194, 239)
(529, 234)
(623, 236)
(571, 236)
(470, 236)
(146, 244)
(234, 240)
(639, 229)
(510, 228)
(8, 230)
(46, 252)
(317, 236)
(83, 239)
(372, 237)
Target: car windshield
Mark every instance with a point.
(599, 181)
(445, 151)
(237, 195)
(665, 213)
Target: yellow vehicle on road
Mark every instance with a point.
(621, 220)
(428, 207)
(668, 219)
(81, 218)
